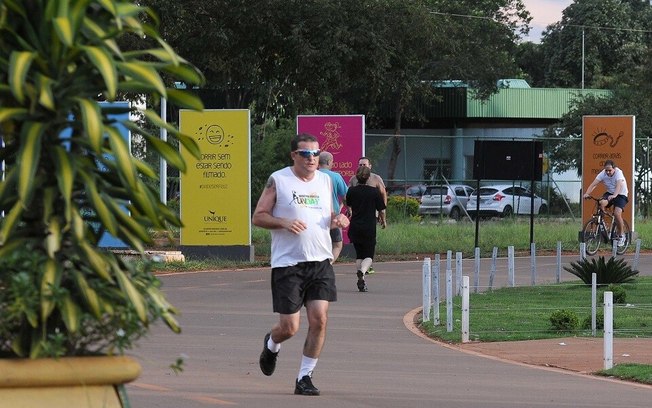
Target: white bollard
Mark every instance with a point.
(558, 275)
(510, 266)
(594, 302)
(458, 273)
(435, 291)
(465, 309)
(582, 251)
(449, 300)
(608, 331)
(492, 270)
(426, 289)
(637, 254)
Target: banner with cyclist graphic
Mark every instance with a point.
(607, 138)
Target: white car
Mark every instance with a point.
(504, 200)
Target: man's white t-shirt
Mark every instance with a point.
(311, 202)
(610, 181)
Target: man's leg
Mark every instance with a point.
(618, 214)
(317, 311)
(286, 327)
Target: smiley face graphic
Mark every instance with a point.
(215, 134)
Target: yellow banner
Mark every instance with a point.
(607, 138)
(215, 199)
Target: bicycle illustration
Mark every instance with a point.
(602, 228)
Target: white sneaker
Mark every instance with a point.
(621, 241)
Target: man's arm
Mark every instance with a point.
(619, 187)
(590, 188)
(381, 188)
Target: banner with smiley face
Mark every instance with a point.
(215, 200)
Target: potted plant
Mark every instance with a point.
(69, 177)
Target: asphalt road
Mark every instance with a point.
(370, 359)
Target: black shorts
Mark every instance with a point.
(293, 286)
(365, 249)
(619, 201)
(336, 235)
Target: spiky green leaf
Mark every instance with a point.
(28, 158)
(92, 121)
(19, 64)
(143, 73)
(63, 28)
(106, 66)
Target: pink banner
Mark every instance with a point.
(341, 135)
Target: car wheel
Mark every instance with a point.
(543, 209)
(507, 211)
(455, 213)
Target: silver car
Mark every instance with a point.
(449, 200)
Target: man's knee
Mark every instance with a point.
(288, 327)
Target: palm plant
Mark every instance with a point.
(69, 175)
(612, 271)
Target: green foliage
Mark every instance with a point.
(619, 293)
(630, 371)
(70, 175)
(564, 320)
(401, 208)
(612, 271)
(599, 322)
(523, 312)
(270, 151)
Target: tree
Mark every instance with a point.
(446, 42)
(614, 42)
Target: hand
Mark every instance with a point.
(295, 226)
(341, 221)
(587, 196)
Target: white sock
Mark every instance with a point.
(307, 366)
(366, 263)
(273, 347)
(358, 264)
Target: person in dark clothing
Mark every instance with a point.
(364, 201)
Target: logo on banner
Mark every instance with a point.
(332, 135)
(215, 135)
(602, 138)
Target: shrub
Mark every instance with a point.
(599, 322)
(612, 271)
(401, 208)
(564, 320)
(619, 293)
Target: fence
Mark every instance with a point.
(631, 319)
(428, 158)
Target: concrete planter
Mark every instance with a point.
(80, 382)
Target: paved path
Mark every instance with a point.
(371, 359)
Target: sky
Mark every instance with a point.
(544, 12)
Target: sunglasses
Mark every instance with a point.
(306, 154)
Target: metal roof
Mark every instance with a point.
(527, 103)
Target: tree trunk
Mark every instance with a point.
(396, 142)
